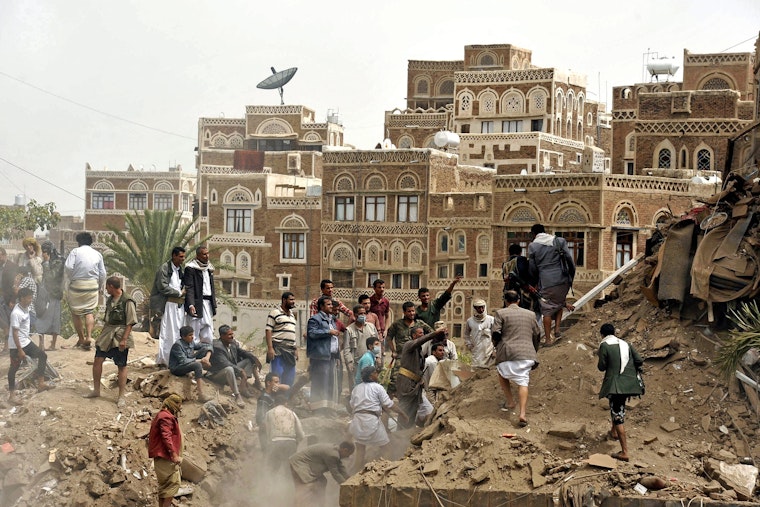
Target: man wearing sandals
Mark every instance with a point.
(515, 336)
(551, 263)
(621, 365)
(116, 339)
(86, 275)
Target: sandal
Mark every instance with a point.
(620, 456)
(522, 423)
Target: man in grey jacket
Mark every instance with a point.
(167, 299)
(551, 262)
(309, 466)
(515, 335)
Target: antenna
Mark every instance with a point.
(277, 81)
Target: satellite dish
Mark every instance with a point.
(277, 80)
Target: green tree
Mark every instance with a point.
(138, 250)
(16, 221)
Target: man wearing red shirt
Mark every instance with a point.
(380, 306)
(165, 447)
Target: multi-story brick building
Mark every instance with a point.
(259, 190)
(110, 195)
(509, 114)
(687, 125)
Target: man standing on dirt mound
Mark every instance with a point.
(621, 365)
(515, 335)
(200, 296)
(551, 263)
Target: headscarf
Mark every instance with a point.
(173, 403)
(625, 349)
(476, 315)
(201, 266)
(49, 248)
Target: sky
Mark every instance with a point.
(113, 83)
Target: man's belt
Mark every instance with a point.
(409, 374)
(371, 412)
(176, 300)
(208, 298)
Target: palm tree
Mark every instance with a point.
(137, 251)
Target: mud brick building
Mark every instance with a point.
(687, 125)
(259, 198)
(110, 195)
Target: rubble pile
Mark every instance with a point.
(691, 435)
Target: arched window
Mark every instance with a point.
(447, 87)
(664, 158)
(716, 83)
(684, 158)
(461, 242)
(486, 59)
(443, 242)
(487, 102)
(512, 104)
(704, 160)
(423, 87)
(465, 103)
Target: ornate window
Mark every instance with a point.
(423, 87)
(487, 102)
(219, 141)
(484, 245)
(236, 141)
(138, 186)
(375, 183)
(244, 263)
(623, 217)
(664, 158)
(513, 104)
(373, 254)
(716, 83)
(415, 255)
(465, 103)
(447, 87)
(537, 101)
(405, 142)
(523, 215)
(486, 59)
(571, 215)
(103, 185)
(227, 259)
(407, 182)
(163, 186)
(344, 184)
(704, 160)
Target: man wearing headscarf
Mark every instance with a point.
(477, 335)
(200, 296)
(165, 447)
(621, 365)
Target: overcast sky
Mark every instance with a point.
(165, 63)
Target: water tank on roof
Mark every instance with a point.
(446, 139)
(19, 200)
(662, 67)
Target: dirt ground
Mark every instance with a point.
(71, 451)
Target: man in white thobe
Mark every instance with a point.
(168, 297)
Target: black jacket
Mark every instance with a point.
(194, 290)
(220, 359)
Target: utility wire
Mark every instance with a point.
(739, 44)
(85, 106)
(41, 179)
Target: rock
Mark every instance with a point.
(566, 446)
(480, 475)
(670, 427)
(705, 422)
(193, 468)
(661, 343)
(649, 439)
(14, 478)
(210, 485)
(431, 468)
(537, 468)
(712, 487)
(94, 486)
(569, 431)
(654, 483)
(728, 456)
(117, 478)
(663, 451)
(740, 478)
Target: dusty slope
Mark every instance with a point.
(467, 449)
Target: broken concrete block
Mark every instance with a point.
(670, 427)
(740, 478)
(649, 439)
(569, 431)
(712, 487)
(193, 469)
(431, 468)
(567, 446)
(536, 470)
(705, 422)
(480, 475)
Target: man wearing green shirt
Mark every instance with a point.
(430, 311)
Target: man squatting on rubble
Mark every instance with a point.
(309, 467)
(21, 345)
(187, 356)
(231, 363)
(165, 447)
(115, 339)
(621, 365)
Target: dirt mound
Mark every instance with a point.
(687, 417)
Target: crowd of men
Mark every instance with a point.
(360, 340)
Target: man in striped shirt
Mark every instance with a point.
(282, 353)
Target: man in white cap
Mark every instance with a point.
(477, 335)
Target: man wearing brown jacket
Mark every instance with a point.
(516, 336)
